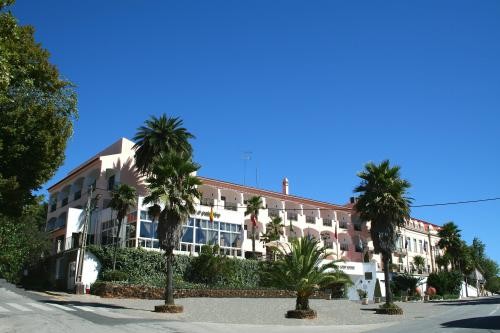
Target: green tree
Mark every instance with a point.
(253, 207)
(274, 230)
(450, 241)
(123, 197)
(383, 201)
(37, 110)
(160, 136)
(300, 268)
(22, 240)
(172, 183)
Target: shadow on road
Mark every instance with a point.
(490, 300)
(89, 304)
(491, 323)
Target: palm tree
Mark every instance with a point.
(299, 268)
(159, 136)
(253, 207)
(173, 184)
(450, 241)
(274, 229)
(419, 263)
(383, 201)
(123, 197)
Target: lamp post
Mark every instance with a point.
(90, 206)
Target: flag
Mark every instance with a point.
(254, 220)
(211, 216)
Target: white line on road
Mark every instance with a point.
(62, 307)
(496, 309)
(84, 308)
(4, 309)
(40, 306)
(18, 307)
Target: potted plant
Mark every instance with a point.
(377, 293)
(363, 296)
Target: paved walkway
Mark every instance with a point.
(262, 311)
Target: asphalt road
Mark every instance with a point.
(471, 315)
(22, 311)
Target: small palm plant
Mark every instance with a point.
(419, 263)
(123, 197)
(300, 268)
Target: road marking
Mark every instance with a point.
(40, 306)
(18, 307)
(496, 309)
(4, 309)
(62, 307)
(84, 308)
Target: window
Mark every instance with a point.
(420, 247)
(357, 226)
(368, 276)
(111, 183)
(408, 243)
(414, 245)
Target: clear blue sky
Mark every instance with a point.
(314, 89)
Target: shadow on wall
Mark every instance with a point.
(491, 323)
(129, 175)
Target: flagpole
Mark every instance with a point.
(337, 241)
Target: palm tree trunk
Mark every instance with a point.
(388, 293)
(302, 303)
(169, 288)
(117, 239)
(253, 240)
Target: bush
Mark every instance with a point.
(446, 282)
(405, 282)
(377, 292)
(111, 275)
(148, 268)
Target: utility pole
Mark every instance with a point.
(79, 286)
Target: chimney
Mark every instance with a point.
(285, 186)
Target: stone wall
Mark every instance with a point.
(111, 290)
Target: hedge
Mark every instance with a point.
(446, 283)
(148, 268)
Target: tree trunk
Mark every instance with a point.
(117, 239)
(169, 288)
(388, 293)
(253, 240)
(302, 303)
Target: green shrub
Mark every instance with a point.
(148, 268)
(405, 282)
(450, 296)
(111, 275)
(445, 282)
(377, 292)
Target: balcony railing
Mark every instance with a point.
(310, 219)
(327, 222)
(292, 216)
(206, 202)
(344, 247)
(343, 225)
(273, 212)
(230, 206)
(328, 244)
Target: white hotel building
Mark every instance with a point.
(231, 229)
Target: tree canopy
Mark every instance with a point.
(37, 111)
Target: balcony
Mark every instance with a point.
(327, 222)
(273, 212)
(310, 219)
(343, 225)
(292, 216)
(328, 245)
(230, 206)
(344, 247)
(206, 202)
